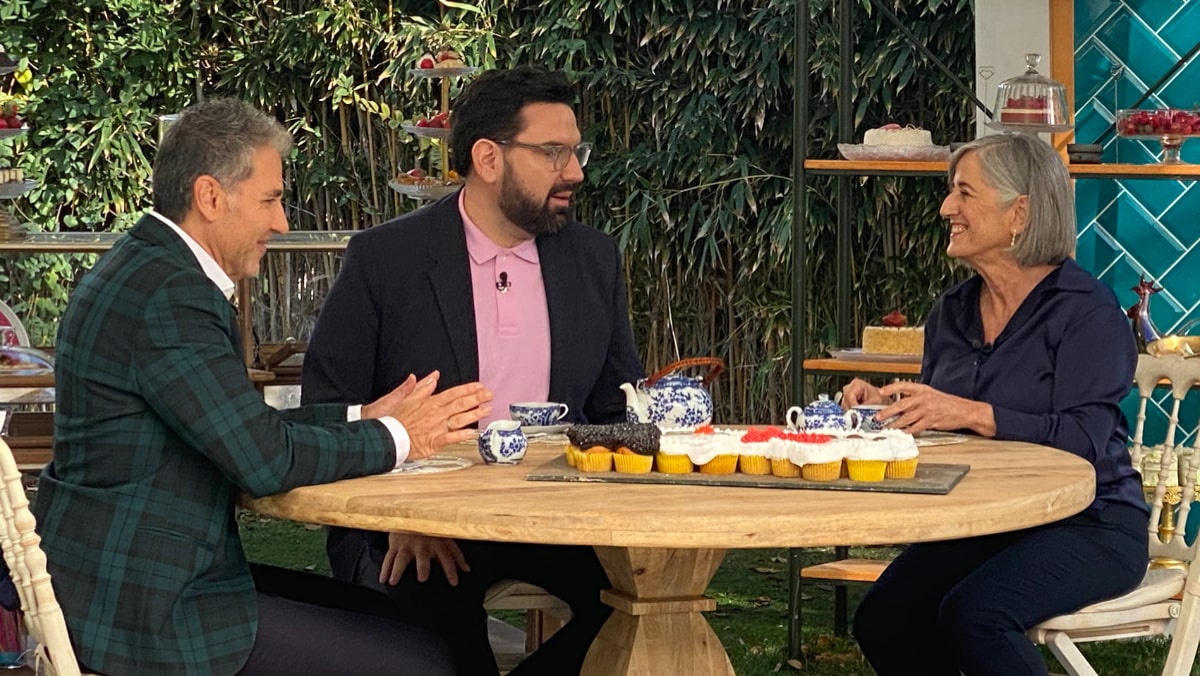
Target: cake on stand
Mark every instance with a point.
(434, 184)
(13, 183)
(1031, 103)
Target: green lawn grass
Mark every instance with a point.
(751, 590)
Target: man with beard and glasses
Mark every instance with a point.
(497, 284)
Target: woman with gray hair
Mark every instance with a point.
(1031, 348)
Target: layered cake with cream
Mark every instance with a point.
(895, 135)
(1027, 110)
(894, 337)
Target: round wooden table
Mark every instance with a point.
(661, 544)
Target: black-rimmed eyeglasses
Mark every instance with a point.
(557, 152)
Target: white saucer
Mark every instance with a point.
(434, 464)
(543, 429)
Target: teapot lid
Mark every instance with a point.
(671, 378)
(823, 405)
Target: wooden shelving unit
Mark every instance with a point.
(1109, 171)
(99, 242)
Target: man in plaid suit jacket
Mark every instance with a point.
(158, 429)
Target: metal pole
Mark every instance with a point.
(845, 196)
(800, 94)
(933, 58)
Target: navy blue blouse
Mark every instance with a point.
(1054, 376)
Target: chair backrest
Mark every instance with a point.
(1174, 475)
(27, 566)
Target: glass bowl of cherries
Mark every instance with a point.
(1169, 126)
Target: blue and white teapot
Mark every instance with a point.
(823, 414)
(673, 401)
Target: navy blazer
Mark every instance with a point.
(402, 304)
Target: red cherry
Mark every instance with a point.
(422, 122)
(895, 318)
(426, 61)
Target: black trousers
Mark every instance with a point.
(963, 606)
(571, 573)
(315, 625)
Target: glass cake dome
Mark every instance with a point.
(1031, 102)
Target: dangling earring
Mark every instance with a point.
(1014, 239)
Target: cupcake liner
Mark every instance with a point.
(902, 469)
(824, 471)
(866, 470)
(632, 463)
(784, 467)
(673, 464)
(754, 464)
(722, 464)
(572, 453)
(594, 462)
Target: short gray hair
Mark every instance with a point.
(216, 138)
(1021, 164)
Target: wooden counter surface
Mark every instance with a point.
(860, 368)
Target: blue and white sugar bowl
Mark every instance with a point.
(503, 443)
(823, 414)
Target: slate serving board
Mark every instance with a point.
(932, 478)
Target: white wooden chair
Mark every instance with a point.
(27, 566)
(1167, 602)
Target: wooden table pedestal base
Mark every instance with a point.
(656, 626)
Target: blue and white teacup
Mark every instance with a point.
(868, 420)
(503, 443)
(537, 413)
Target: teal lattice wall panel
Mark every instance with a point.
(1139, 227)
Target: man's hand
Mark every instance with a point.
(432, 420)
(435, 420)
(405, 548)
(389, 402)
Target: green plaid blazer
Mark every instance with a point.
(157, 431)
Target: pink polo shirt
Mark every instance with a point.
(513, 325)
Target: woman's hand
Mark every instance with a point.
(859, 391)
(923, 408)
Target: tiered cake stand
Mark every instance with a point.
(442, 184)
(10, 229)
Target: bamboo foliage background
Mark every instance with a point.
(688, 101)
